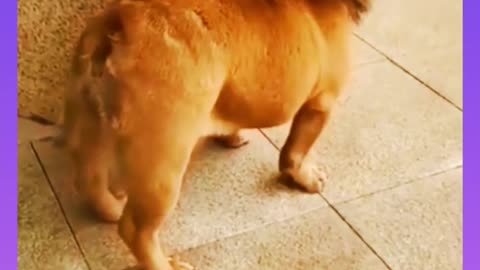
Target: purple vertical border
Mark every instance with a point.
(8, 139)
(471, 86)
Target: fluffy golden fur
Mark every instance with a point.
(150, 77)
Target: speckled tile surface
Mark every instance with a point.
(47, 32)
(44, 239)
(425, 37)
(415, 226)
(318, 240)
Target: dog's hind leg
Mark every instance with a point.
(154, 156)
(92, 163)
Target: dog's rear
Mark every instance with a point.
(115, 79)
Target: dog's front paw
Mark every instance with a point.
(308, 176)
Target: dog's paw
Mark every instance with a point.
(108, 207)
(308, 176)
(231, 141)
(174, 264)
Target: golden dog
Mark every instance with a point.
(151, 77)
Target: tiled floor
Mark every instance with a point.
(393, 153)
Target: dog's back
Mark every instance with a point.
(258, 42)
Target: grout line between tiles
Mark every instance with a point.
(44, 171)
(398, 65)
(268, 139)
(330, 205)
(38, 119)
(358, 234)
(253, 229)
(304, 213)
(411, 181)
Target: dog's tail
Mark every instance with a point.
(358, 8)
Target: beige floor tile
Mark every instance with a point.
(317, 240)
(415, 226)
(226, 192)
(425, 37)
(386, 129)
(363, 54)
(44, 239)
(29, 131)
